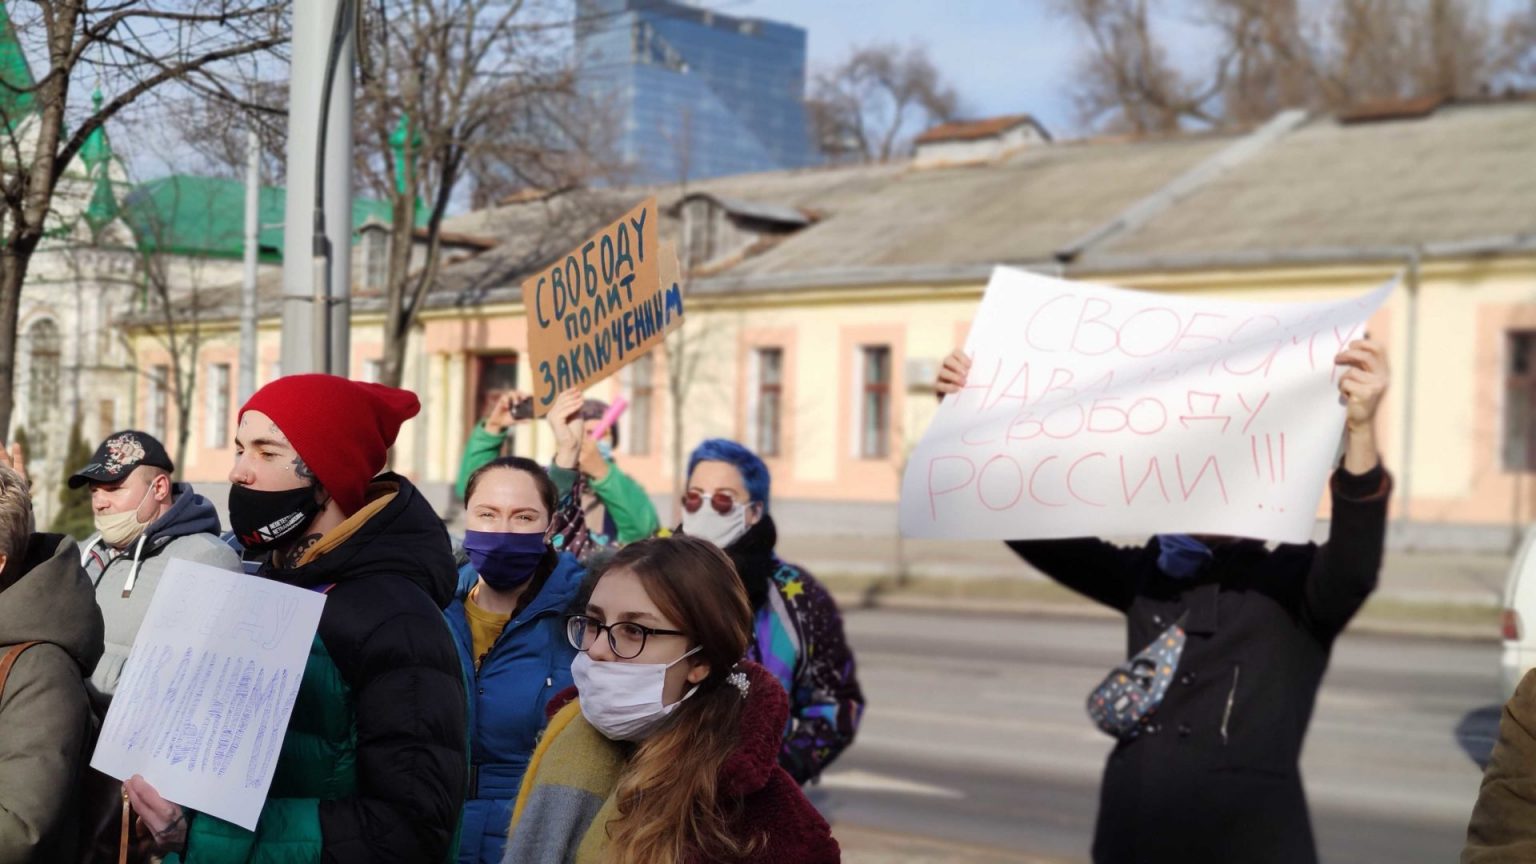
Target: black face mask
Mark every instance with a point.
(263, 521)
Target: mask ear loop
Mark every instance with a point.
(691, 690)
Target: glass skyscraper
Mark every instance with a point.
(690, 93)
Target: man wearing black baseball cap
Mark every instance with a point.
(143, 520)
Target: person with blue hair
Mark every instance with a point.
(797, 631)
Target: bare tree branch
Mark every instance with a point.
(862, 105)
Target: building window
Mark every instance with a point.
(497, 374)
(875, 403)
(43, 382)
(375, 259)
(1520, 403)
(159, 400)
(639, 378)
(770, 401)
(216, 407)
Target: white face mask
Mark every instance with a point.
(120, 529)
(721, 529)
(624, 700)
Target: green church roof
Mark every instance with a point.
(205, 216)
(15, 76)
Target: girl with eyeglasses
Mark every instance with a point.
(508, 623)
(666, 750)
(797, 632)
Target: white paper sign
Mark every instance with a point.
(204, 699)
(1093, 410)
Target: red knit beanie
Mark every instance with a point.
(341, 429)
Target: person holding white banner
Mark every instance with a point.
(374, 764)
(1230, 641)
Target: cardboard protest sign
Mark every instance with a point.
(1093, 410)
(600, 306)
(204, 699)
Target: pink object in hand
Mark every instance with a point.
(610, 417)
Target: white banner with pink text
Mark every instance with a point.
(1092, 410)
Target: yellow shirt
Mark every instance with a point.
(484, 626)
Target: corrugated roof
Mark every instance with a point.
(1325, 189)
(1463, 173)
(1016, 211)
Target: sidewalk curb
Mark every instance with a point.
(1367, 624)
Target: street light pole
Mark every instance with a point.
(248, 313)
(317, 288)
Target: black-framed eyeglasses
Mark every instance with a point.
(625, 638)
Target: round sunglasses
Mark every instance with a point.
(722, 502)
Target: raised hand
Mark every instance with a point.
(569, 427)
(500, 418)
(952, 374)
(1361, 387)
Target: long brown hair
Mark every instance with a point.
(667, 796)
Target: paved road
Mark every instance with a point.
(976, 736)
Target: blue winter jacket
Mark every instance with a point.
(527, 665)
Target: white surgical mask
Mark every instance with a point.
(624, 700)
(120, 529)
(721, 529)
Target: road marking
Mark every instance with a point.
(869, 781)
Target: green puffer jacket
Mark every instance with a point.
(374, 764)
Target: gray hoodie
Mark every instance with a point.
(126, 579)
(45, 713)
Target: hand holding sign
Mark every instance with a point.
(1361, 387)
(566, 422)
(166, 820)
(953, 374)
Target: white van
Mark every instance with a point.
(1519, 616)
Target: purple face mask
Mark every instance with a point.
(503, 559)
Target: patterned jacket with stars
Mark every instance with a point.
(797, 635)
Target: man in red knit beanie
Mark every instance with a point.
(373, 766)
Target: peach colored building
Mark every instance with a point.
(820, 301)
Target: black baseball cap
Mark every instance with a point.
(118, 455)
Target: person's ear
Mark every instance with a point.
(754, 513)
(698, 672)
(163, 490)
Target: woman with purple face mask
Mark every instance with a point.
(508, 624)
